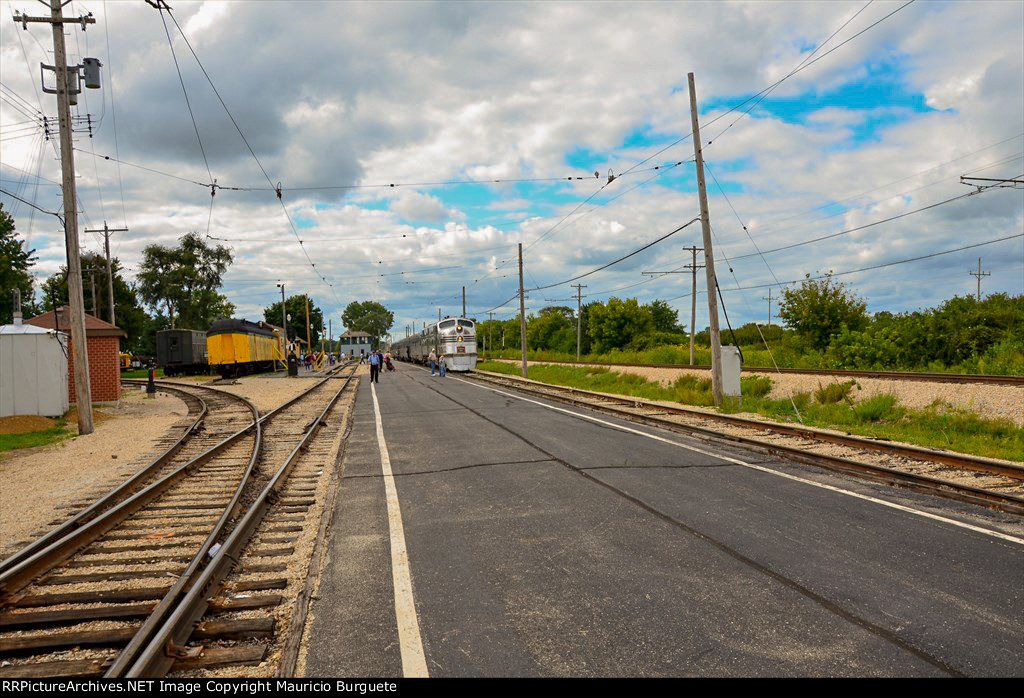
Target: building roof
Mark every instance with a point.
(61, 319)
(25, 329)
(350, 333)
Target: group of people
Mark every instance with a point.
(378, 360)
(436, 362)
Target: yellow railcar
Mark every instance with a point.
(237, 347)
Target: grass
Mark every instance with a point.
(881, 416)
(142, 373)
(31, 439)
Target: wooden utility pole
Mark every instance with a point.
(693, 267)
(309, 342)
(110, 273)
(522, 312)
(579, 315)
(92, 288)
(65, 93)
(490, 330)
(284, 324)
(463, 301)
(769, 299)
(979, 274)
(709, 257)
(693, 295)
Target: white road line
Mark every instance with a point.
(414, 662)
(891, 505)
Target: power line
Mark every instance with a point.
(769, 87)
(620, 259)
(862, 227)
(871, 268)
(174, 56)
(791, 73)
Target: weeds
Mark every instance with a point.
(937, 426)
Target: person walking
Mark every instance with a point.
(432, 358)
(374, 367)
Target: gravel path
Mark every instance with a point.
(990, 401)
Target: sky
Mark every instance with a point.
(416, 144)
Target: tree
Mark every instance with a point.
(368, 316)
(128, 313)
(184, 280)
(665, 318)
(616, 323)
(15, 261)
(554, 329)
(296, 308)
(821, 308)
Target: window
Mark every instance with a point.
(447, 324)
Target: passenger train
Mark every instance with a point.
(455, 338)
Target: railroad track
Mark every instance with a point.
(1001, 484)
(959, 378)
(120, 592)
(212, 414)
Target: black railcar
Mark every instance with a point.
(180, 352)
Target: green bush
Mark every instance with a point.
(878, 408)
(833, 392)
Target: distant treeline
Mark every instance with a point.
(824, 326)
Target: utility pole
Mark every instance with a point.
(693, 295)
(522, 312)
(284, 323)
(769, 299)
(463, 301)
(979, 274)
(110, 274)
(579, 315)
(92, 287)
(709, 257)
(693, 267)
(490, 330)
(67, 95)
(439, 315)
(309, 342)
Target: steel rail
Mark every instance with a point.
(165, 641)
(891, 476)
(112, 497)
(960, 378)
(171, 599)
(960, 460)
(16, 577)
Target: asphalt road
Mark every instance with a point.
(543, 543)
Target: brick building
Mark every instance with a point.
(104, 348)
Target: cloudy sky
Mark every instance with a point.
(564, 126)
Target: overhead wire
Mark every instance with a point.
(769, 87)
(870, 268)
(865, 226)
(791, 73)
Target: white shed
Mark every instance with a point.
(33, 371)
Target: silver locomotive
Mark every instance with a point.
(455, 338)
